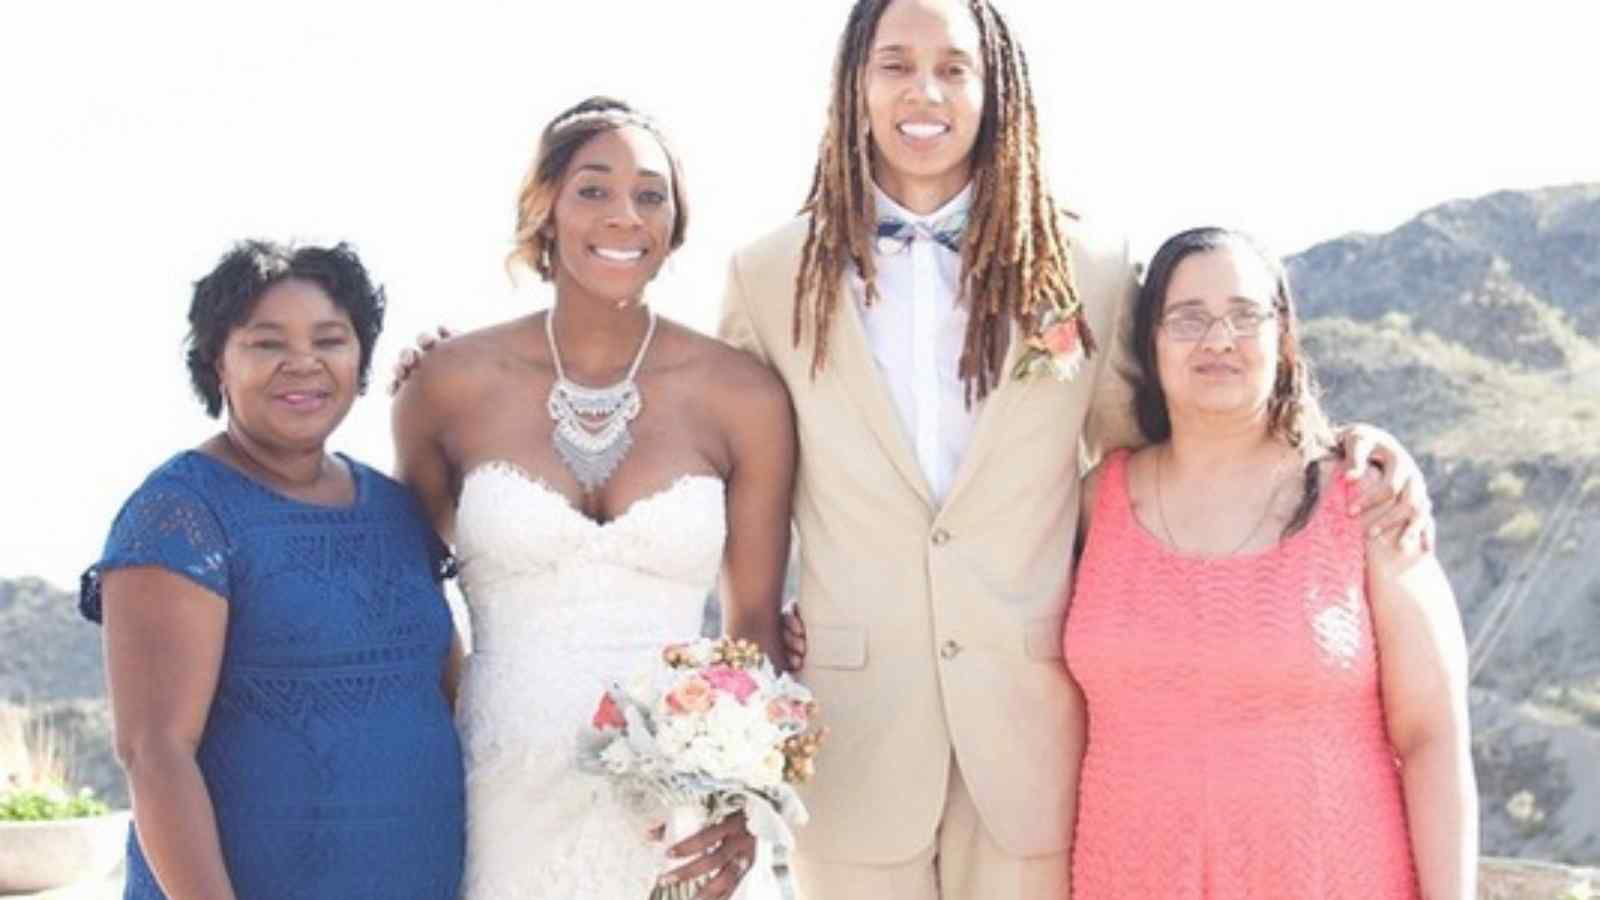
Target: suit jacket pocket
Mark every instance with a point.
(1041, 638)
(836, 646)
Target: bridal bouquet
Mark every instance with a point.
(704, 730)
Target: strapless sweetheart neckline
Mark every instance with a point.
(537, 483)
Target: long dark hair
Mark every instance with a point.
(1293, 413)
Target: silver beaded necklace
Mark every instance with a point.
(591, 434)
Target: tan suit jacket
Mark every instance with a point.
(932, 629)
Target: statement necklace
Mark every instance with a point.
(591, 434)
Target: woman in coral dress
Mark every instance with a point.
(1276, 704)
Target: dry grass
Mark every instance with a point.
(32, 756)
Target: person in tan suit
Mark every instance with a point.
(945, 332)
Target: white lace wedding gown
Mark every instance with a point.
(560, 605)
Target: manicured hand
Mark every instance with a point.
(1394, 497)
(726, 849)
(794, 639)
(409, 358)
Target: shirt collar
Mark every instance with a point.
(961, 202)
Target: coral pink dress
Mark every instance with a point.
(1236, 742)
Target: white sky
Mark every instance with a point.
(140, 139)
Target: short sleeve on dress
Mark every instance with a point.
(167, 524)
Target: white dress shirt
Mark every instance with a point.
(916, 331)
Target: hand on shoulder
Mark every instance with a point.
(411, 357)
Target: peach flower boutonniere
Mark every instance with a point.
(1058, 348)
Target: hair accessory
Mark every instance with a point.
(612, 114)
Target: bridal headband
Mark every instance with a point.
(613, 115)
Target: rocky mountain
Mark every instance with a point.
(1473, 333)
(50, 665)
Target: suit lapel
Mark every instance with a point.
(852, 362)
(998, 410)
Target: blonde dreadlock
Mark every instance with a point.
(1015, 258)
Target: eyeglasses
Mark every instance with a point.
(1193, 324)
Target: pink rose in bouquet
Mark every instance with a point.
(692, 695)
(608, 715)
(733, 681)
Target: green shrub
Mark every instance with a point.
(1506, 485)
(43, 804)
(1396, 320)
(1520, 528)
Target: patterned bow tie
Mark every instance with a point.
(895, 234)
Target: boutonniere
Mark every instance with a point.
(1056, 348)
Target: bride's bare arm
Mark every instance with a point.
(761, 437)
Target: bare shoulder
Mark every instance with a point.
(723, 373)
(464, 366)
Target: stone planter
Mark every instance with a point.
(38, 856)
(1522, 879)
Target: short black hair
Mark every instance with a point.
(225, 298)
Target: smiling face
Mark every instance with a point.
(1219, 374)
(290, 371)
(924, 91)
(614, 216)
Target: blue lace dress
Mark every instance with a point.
(329, 752)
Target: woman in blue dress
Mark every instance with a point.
(279, 650)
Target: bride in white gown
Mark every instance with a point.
(595, 468)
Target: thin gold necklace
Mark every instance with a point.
(1266, 508)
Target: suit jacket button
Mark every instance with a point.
(950, 650)
(940, 537)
